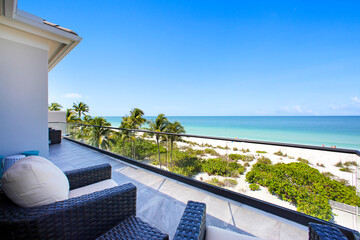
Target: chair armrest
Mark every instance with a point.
(84, 217)
(324, 232)
(193, 222)
(86, 176)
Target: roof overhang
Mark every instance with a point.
(18, 25)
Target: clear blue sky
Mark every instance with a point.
(208, 57)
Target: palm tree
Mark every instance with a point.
(55, 107)
(177, 128)
(136, 118)
(159, 125)
(124, 134)
(80, 108)
(84, 131)
(71, 116)
(100, 137)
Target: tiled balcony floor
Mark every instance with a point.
(161, 201)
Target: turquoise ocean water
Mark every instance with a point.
(342, 132)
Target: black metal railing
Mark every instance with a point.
(134, 145)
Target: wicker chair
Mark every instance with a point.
(193, 222)
(84, 217)
(193, 226)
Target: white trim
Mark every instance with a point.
(23, 37)
(64, 51)
(23, 17)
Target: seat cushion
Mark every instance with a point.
(95, 187)
(35, 181)
(214, 233)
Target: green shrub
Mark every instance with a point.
(246, 164)
(245, 150)
(235, 149)
(303, 160)
(339, 164)
(290, 157)
(230, 182)
(279, 153)
(245, 158)
(302, 185)
(346, 169)
(216, 182)
(220, 147)
(185, 164)
(254, 187)
(261, 152)
(264, 160)
(349, 163)
(217, 166)
(211, 151)
(328, 174)
(320, 165)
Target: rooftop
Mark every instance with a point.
(161, 201)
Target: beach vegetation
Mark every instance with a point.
(346, 169)
(159, 125)
(291, 157)
(350, 163)
(235, 149)
(220, 167)
(328, 174)
(185, 164)
(230, 182)
(254, 187)
(99, 136)
(261, 152)
(339, 164)
(175, 127)
(320, 165)
(216, 182)
(302, 160)
(243, 157)
(303, 186)
(211, 151)
(245, 150)
(281, 154)
(81, 108)
(55, 107)
(71, 116)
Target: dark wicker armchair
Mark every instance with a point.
(193, 226)
(84, 217)
(193, 222)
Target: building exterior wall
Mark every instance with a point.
(57, 116)
(23, 98)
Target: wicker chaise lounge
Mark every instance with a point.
(84, 217)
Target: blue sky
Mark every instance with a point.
(208, 58)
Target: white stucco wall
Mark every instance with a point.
(23, 98)
(57, 116)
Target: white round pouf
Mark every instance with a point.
(10, 160)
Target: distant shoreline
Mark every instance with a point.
(339, 131)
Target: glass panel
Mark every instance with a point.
(323, 184)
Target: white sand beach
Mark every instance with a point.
(324, 161)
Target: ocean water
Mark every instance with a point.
(342, 132)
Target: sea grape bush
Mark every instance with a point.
(303, 186)
(220, 167)
(243, 157)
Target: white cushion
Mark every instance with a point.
(95, 187)
(35, 181)
(214, 233)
